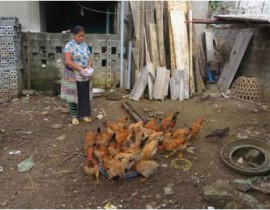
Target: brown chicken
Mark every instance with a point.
(196, 127)
(153, 124)
(91, 168)
(122, 120)
(114, 146)
(175, 145)
(91, 165)
(115, 127)
(117, 165)
(103, 138)
(126, 159)
(181, 132)
(89, 140)
(100, 151)
(136, 127)
(151, 146)
(146, 168)
(135, 151)
(122, 136)
(114, 168)
(168, 123)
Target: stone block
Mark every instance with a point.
(28, 92)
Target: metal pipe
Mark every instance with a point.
(122, 44)
(107, 21)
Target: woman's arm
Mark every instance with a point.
(89, 63)
(69, 63)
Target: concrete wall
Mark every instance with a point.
(26, 11)
(199, 11)
(256, 61)
(47, 48)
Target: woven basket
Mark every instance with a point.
(246, 88)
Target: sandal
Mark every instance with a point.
(86, 119)
(75, 121)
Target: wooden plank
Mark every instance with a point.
(135, 8)
(166, 83)
(160, 32)
(149, 18)
(178, 5)
(141, 40)
(198, 78)
(177, 77)
(151, 69)
(135, 53)
(140, 85)
(174, 5)
(172, 53)
(191, 77)
(147, 54)
(181, 85)
(161, 83)
(181, 48)
(202, 58)
(209, 39)
(154, 54)
(237, 53)
(173, 89)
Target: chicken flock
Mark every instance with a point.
(121, 148)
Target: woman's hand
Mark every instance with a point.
(83, 71)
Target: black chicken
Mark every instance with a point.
(220, 133)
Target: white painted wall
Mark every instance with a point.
(27, 12)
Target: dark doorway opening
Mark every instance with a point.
(58, 16)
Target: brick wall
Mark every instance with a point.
(256, 61)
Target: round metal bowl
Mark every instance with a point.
(98, 92)
(232, 152)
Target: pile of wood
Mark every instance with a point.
(167, 57)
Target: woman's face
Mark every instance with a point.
(79, 37)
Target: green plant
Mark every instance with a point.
(214, 5)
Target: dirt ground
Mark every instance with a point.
(58, 182)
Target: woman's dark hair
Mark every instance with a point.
(77, 29)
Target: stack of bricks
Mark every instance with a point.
(10, 58)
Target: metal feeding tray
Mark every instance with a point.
(98, 92)
(247, 156)
(128, 175)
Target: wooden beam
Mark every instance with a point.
(172, 53)
(160, 32)
(135, 10)
(141, 40)
(198, 78)
(154, 53)
(149, 18)
(151, 69)
(191, 76)
(237, 53)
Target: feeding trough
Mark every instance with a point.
(128, 175)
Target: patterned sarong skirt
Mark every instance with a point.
(69, 87)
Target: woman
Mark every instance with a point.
(75, 87)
